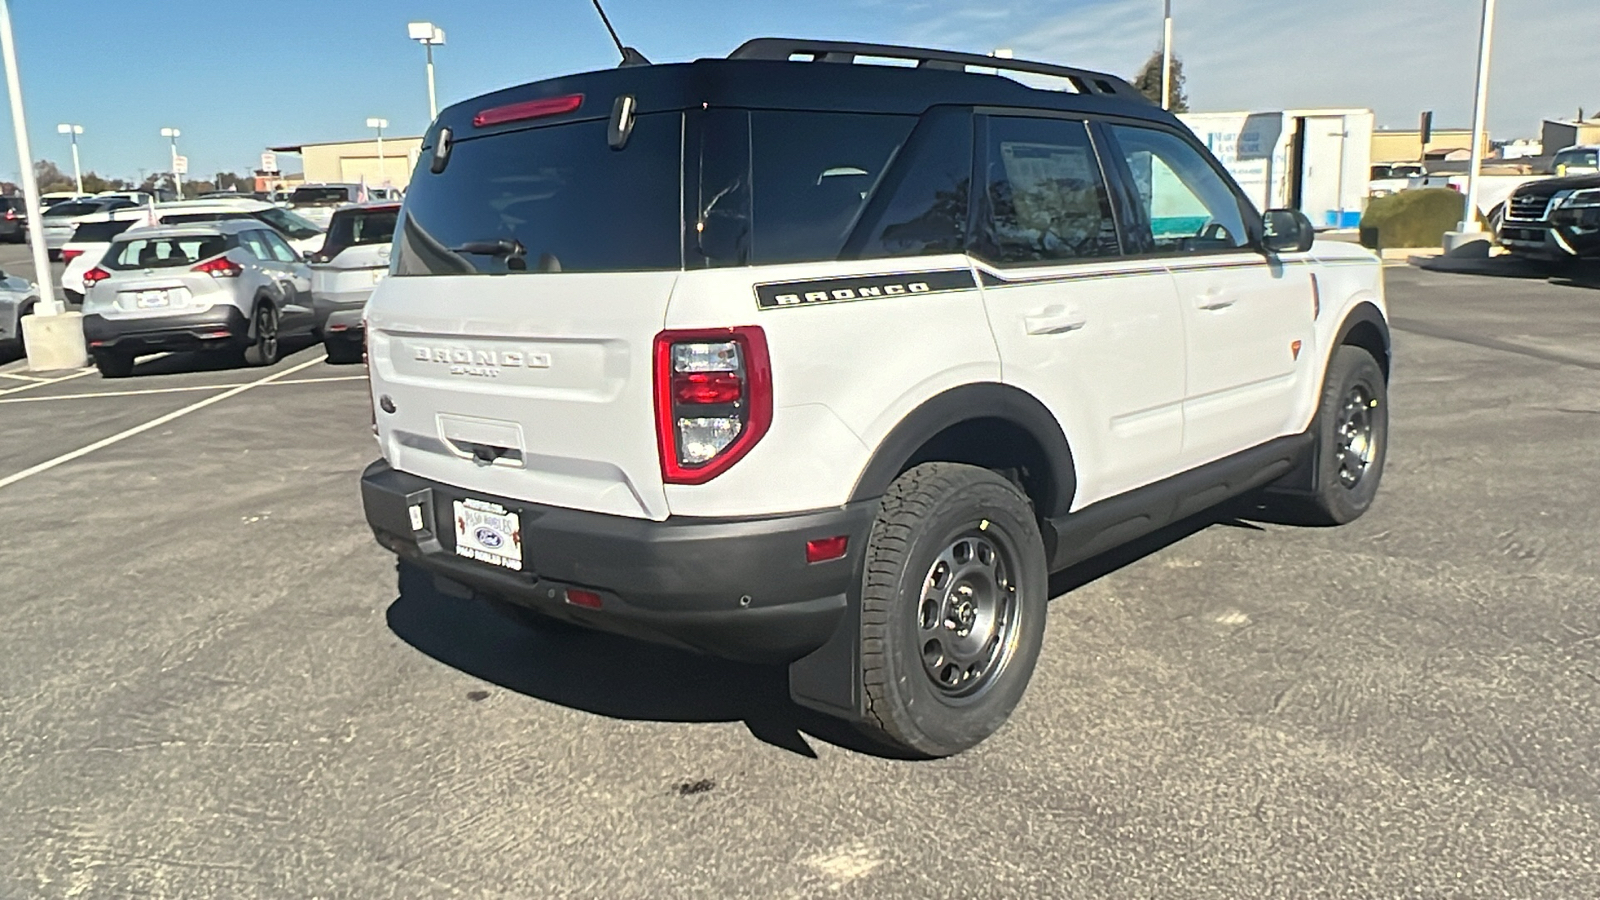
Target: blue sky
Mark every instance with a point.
(236, 77)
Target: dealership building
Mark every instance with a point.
(352, 161)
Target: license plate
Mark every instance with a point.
(488, 532)
(151, 299)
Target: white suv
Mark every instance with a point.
(787, 359)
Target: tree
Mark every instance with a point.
(1148, 82)
(51, 178)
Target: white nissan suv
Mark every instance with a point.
(790, 357)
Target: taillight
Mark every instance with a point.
(95, 276)
(11, 215)
(221, 267)
(713, 400)
(70, 255)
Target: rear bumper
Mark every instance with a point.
(344, 323)
(735, 588)
(222, 325)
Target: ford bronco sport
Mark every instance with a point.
(794, 357)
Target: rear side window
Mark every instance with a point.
(73, 209)
(100, 232)
(922, 209)
(286, 222)
(1045, 199)
(786, 187)
(353, 229)
(322, 195)
(164, 253)
(555, 198)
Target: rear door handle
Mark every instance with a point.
(1214, 299)
(1054, 320)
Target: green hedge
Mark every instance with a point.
(1416, 218)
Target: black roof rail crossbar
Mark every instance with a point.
(785, 49)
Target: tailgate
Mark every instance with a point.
(532, 387)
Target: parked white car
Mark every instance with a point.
(61, 220)
(354, 258)
(316, 202)
(94, 235)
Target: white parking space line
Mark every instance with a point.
(157, 422)
(41, 383)
(144, 392)
(21, 377)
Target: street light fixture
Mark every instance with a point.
(177, 180)
(73, 131)
(380, 124)
(429, 36)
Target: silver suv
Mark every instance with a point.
(234, 285)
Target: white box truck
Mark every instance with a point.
(1314, 160)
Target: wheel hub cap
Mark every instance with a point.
(966, 618)
(1354, 447)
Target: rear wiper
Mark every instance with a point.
(510, 249)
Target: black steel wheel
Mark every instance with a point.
(264, 348)
(953, 608)
(1352, 434)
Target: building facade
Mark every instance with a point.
(352, 161)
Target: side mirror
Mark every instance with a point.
(1286, 231)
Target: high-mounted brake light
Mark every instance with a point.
(95, 276)
(528, 109)
(221, 267)
(713, 400)
(70, 255)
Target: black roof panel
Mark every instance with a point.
(807, 85)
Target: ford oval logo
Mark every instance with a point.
(488, 537)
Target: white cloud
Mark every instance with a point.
(1397, 57)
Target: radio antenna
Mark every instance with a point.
(630, 56)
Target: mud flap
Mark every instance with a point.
(828, 679)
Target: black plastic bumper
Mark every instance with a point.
(219, 326)
(734, 588)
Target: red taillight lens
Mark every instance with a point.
(95, 276)
(11, 215)
(70, 255)
(531, 109)
(705, 388)
(824, 549)
(713, 400)
(221, 267)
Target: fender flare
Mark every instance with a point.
(979, 400)
(1365, 312)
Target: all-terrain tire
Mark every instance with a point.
(931, 689)
(1352, 441)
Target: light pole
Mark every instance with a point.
(73, 131)
(429, 36)
(1469, 218)
(380, 124)
(177, 180)
(1166, 54)
(54, 338)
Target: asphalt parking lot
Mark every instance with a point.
(214, 684)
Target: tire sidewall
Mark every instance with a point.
(255, 353)
(946, 724)
(1351, 366)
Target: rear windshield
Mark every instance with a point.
(314, 196)
(287, 223)
(100, 232)
(554, 198)
(74, 209)
(352, 229)
(166, 252)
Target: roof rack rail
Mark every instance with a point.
(787, 49)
